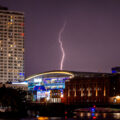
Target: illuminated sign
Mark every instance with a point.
(39, 88)
(43, 94)
(19, 83)
(37, 79)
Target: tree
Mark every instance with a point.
(13, 98)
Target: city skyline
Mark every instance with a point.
(90, 39)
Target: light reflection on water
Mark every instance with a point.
(104, 115)
(85, 116)
(49, 118)
(116, 115)
(79, 116)
(97, 116)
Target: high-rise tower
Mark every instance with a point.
(11, 45)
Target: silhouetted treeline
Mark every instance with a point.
(13, 100)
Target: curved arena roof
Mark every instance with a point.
(52, 74)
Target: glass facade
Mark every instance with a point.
(48, 85)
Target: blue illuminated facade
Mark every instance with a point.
(116, 70)
(39, 83)
(42, 85)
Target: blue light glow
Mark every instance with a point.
(93, 114)
(114, 71)
(92, 109)
(21, 74)
(36, 88)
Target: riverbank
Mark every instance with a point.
(57, 109)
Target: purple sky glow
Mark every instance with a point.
(91, 37)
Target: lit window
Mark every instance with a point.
(22, 34)
(9, 54)
(114, 100)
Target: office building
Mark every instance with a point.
(11, 45)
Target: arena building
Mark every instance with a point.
(75, 87)
(48, 86)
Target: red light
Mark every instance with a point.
(22, 24)
(22, 34)
(65, 117)
(94, 117)
(94, 106)
(65, 112)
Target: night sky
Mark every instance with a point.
(91, 37)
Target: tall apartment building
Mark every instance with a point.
(11, 45)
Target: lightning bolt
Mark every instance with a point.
(61, 45)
